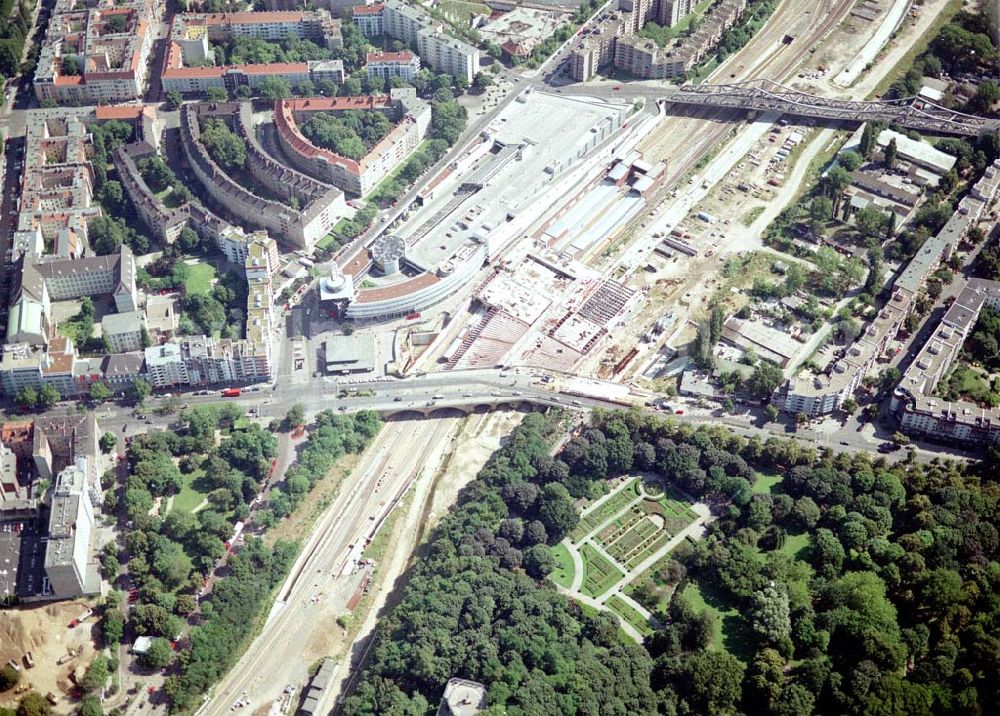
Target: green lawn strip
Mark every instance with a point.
(198, 279)
(765, 483)
(620, 607)
(563, 573)
(462, 12)
(599, 575)
(732, 632)
(190, 496)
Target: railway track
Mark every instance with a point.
(775, 65)
(377, 487)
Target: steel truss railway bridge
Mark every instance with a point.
(766, 96)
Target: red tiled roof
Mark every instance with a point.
(253, 18)
(368, 9)
(125, 111)
(404, 56)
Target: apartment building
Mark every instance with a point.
(615, 42)
(392, 64)
(122, 332)
(817, 395)
(915, 402)
(301, 228)
(199, 29)
(37, 281)
(164, 223)
(70, 564)
(424, 34)
(191, 35)
(165, 367)
(358, 177)
(368, 19)
(96, 53)
(202, 360)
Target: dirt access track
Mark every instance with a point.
(43, 630)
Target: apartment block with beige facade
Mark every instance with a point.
(96, 52)
(915, 402)
(615, 42)
(361, 176)
(300, 228)
(189, 62)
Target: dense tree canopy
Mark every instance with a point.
(889, 609)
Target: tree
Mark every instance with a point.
(772, 412)
(159, 654)
(174, 100)
(821, 209)
(764, 681)
(556, 510)
(765, 379)
(274, 88)
(539, 561)
(870, 221)
(850, 160)
(108, 442)
(99, 392)
(27, 396)
(711, 682)
(32, 704)
(106, 235)
(139, 391)
(849, 406)
(891, 154)
(770, 613)
(112, 627)
(9, 676)
(91, 706)
(869, 138)
(70, 66)
(48, 396)
(296, 415)
(96, 675)
(227, 149)
(216, 94)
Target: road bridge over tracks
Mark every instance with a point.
(766, 96)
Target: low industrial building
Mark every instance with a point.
(350, 354)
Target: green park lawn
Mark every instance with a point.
(563, 573)
(766, 483)
(190, 496)
(796, 547)
(198, 279)
(461, 12)
(732, 632)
